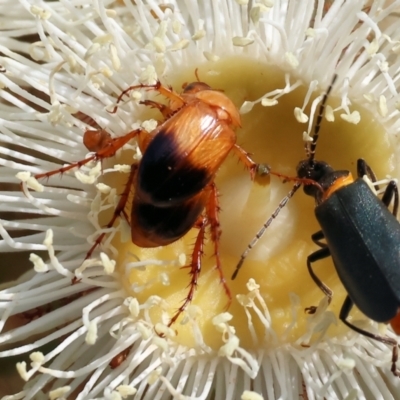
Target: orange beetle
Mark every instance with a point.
(174, 180)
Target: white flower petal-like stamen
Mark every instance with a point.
(67, 82)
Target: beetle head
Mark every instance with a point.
(195, 87)
(317, 171)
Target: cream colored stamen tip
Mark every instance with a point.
(164, 330)
(300, 116)
(109, 265)
(30, 181)
(154, 376)
(353, 118)
(124, 168)
(164, 278)
(176, 27)
(252, 285)
(149, 125)
(383, 66)
(135, 95)
(21, 369)
(244, 300)
(246, 107)
(96, 170)
(210, 56)
(229, 347)
(33, 184)
(242, 2)
(48, 240)
(59, 393)
(382, 106)
(134, 307)
(36, 357)
(266, 102)
(40, 12)
(159, 44)
(148, 75)
(329, 114)
(86, 179)
(199, 34)
(307, 137)
(23, 176)
(222, 318)
(126, 390)
(182, 44)
(373, 47)
(346, 363)
(102, 188)
(249, 395)
(38, 263)
(91, 335)
(182, 259)
(310, 32)
(242, 41)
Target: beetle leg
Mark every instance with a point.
(364, 169)
(110, 148)
(318, 255)
(119, 209)
(212, 210)
(164, 110)
(390, 191)
(344, 313)
(195, 267)
(316, 238)
(246, 159)
(158, 87)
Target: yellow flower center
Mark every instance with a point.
(278, 261)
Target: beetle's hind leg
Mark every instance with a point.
(195, 267)
(320, 254)
(210, 219)
(391, 190)
(119, 209)
(212, 210)
(344, 313)
(364, 169)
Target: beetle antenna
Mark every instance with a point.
(267, 223)
(313, 145)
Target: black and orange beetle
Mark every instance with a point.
(361, 235)
(173, 183)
